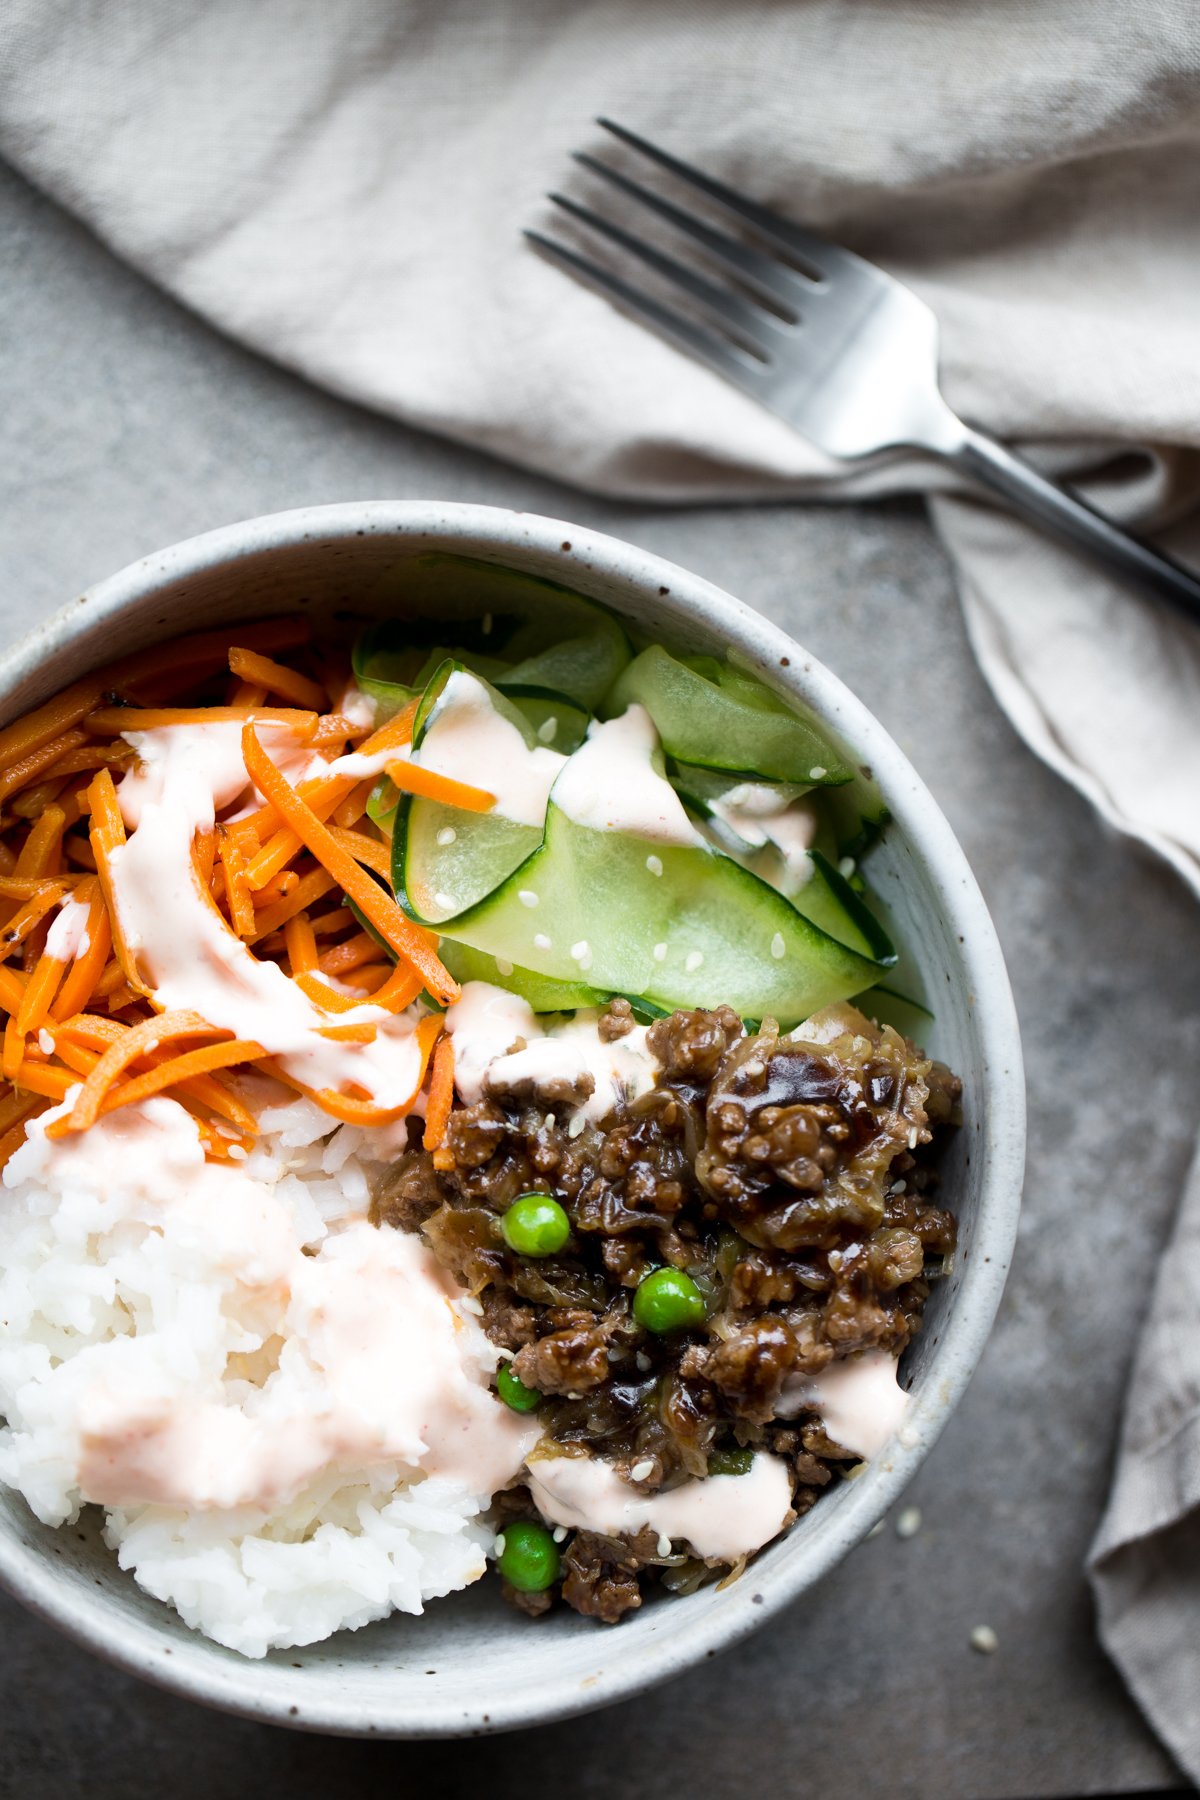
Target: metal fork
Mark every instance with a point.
(841, 350)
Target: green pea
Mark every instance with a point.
(535, 1225)
(668, 1300)
(529, 1559)
(730, 1462)
(513, 1392)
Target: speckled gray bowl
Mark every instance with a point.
(470, 1665)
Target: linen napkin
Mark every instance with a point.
(343, 187)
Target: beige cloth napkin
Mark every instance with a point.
(343, 187)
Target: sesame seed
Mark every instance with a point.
(654, 864)
(574, 1396)
(541, 941)
(914, 1138)
(875, 1531)
(898, 1187)
(847, 866)
(642, 1361)
(909, 1436)
(984, 1639)
(236, 1153)
(778, 947)
(663, 1545)
(575, 1128)
(548, 1121)
(446, 901)
(693, 960)
(487, 623)
(500, 1545)
(909, 1522)
(46, 1042)
(470, 1304)
(559, 1533)
(503, 966)
(641, 1471)
(548, 729)
(446, 835)
(660, 953)
(527, 897)
(580, 952)
(818, 773)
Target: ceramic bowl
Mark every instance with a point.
(470, 1664)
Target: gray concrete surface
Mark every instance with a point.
(126, 425)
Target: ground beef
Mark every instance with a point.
(792, 1177)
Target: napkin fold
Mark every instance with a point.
(344, 187)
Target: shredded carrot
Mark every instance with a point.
(20, 774)
(354, 1111)
(40, 991)
(14, 1137)
(398, 991)
(201, 1061)
(349, 1034)
(189, 655)
(321, 795)
(27, 887)
(133, 718)
(328, 924)
(353, 954)
(354, 805)
(279, 889)
(411, 778)
(379, 908)
(108, 834)
(13, 1108)
(441, 1093)
(18, 928)
(34, 1077)
(14, 1049)
(321, 994)
(241, 907)
(12, 990)
(368, 851)
(143, 1038)
(247, 693)
(39, 855)
(369, 978)
(80, 981)
(309, 888)
(252, 666)
(301, 945)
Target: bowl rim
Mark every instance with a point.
(133, 1645)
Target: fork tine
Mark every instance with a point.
(826, 258)
(747, 320)
(765, 272)
(736, 365)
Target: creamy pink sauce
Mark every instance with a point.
(186, 777)
(611, 784)
(722, 1516)
(469, 741)
(754, 814)
(487, 1021)
(378, 1368)
(67, 937)
(859, 1398)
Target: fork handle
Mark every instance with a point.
(1068, 517)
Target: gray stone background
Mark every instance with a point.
(126, 425)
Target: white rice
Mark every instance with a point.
(101, 1282)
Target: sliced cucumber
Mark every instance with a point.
(676, 925)
(516, 630)
(715, 717)
(445, 859)
(545, 995)
(828, 900)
